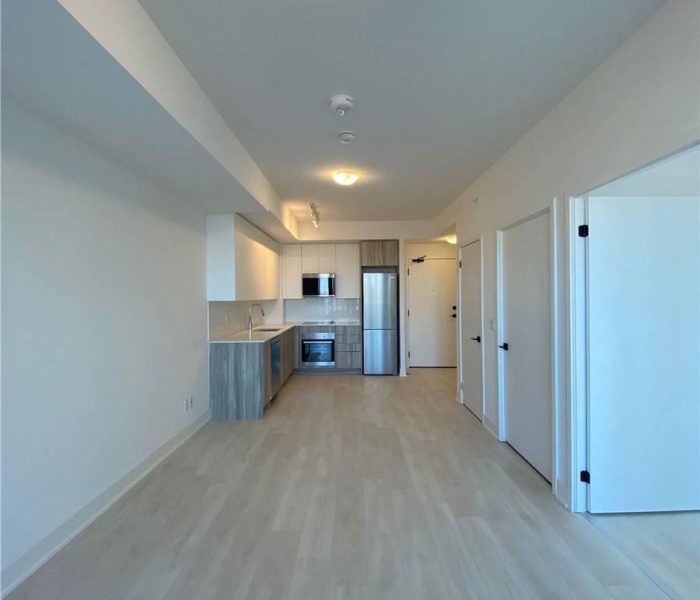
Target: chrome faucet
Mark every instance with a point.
(250, 315)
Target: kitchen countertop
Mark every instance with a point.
(229, 336)
(326, 323)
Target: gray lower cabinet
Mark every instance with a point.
(348, 346)
(348, 360)
(240, 379)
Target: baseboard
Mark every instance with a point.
(490, 427)
(23, 567)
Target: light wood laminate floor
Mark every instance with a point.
(350, 488)
(665, 545)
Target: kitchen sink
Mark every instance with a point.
(267, 329)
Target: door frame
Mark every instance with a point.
(578, 355)
(462, 342)
(408, 309)
(578, 401)
(559, 448)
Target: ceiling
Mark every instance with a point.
(443, 88)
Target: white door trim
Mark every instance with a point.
(460, 392)
(578, 355)
(555, 344)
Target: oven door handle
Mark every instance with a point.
(307, 342)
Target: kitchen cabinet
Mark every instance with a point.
(341, 259)
(240, 375)
(347, 268)
(348, 345)
(292, 270)
(326, 258)
(242, 262)
(379, 253)
(309, 258)
(318, 258)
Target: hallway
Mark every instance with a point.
(351, 487)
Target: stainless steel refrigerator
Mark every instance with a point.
(380, 316)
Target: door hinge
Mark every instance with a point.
(408, 312)
(461, 385)
(585, 477)
(409, 354)
(460, 264)
(583, 231)
(408, 271)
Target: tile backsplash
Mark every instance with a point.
(233, 316)
(322, 309)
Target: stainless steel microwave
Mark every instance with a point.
(318, 285)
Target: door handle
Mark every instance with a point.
(504, 346)
(476, 339)
(454, 316)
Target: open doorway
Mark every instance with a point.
(636, 274)
(431, 304)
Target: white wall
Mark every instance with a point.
(639, 105)
(104, 316)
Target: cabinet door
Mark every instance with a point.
(326, 258)
(292, 271)
(309, 258)
(348, 360)
(347, 268)
(380, 253)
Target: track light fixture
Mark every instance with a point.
(315, 218)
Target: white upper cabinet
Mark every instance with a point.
(309, 258)
(347, 269)
(326, 258)
(341, 259)
(242, 262)
(291, 254)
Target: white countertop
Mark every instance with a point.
(258, 335)
(228, 336)
(327, 323)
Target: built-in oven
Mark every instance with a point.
(318, 285)
(318, 350)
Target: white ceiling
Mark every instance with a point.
(443, 88)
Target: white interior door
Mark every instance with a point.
(432, 323)
(644, 353)
(525, 305)
(471, 323)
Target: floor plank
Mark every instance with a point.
(350, 488)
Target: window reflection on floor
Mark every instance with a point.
(666, 546)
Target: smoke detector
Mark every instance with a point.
(341, 104)
(346, 137)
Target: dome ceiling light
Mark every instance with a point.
(345, 178)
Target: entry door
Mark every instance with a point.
(525, 304)
(432, 321)
(471, 333)
(644, 354)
